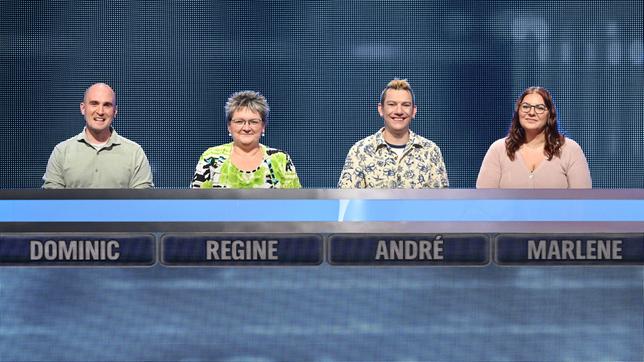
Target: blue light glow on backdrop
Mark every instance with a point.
(322, 66)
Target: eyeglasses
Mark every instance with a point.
(538, 109)
(242, 122)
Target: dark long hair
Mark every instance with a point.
(516, 134)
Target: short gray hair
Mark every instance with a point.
(252, 100)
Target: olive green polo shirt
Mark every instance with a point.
(120, 163)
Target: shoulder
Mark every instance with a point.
(496, 152)
(497, 146)
(424, 142)
(68, 145)
(277, 156)
(128, 142)
(370, 141)
(571, 148)
(570, 145)
(274, 152)
(217, 151)
(500, 143)
(68, 142)
(73, 140)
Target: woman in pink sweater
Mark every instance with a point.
(534, 155)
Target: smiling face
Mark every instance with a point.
(99, 108)
(533, 113)
(246, 127)
(397, 110)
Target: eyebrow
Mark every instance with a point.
(108, 103)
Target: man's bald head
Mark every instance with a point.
(97, 86)
(99, 109)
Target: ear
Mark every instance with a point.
(82, 108)
(413, 113)
(116, 111)
(380, 109)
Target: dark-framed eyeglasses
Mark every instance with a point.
(538, 109)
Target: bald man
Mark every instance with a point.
(98, 157)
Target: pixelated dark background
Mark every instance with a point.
(321, 66)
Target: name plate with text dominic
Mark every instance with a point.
(77, 249)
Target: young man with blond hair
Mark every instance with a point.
(395, 157)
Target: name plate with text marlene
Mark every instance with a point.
(77, 249)
(224, 249)
(409, 249)
(570, 249)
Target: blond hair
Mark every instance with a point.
(398, 84)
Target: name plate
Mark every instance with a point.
(223, 249)
(409, 249)
(87, 249)
(570, 249)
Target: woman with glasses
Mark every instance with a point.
(244, 162)
(534, 154)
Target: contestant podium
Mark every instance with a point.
(308, 227)
(347, 306)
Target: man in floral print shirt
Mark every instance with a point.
(395, 157)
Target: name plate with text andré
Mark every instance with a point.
(75, 249)
(570, 249)
(409, 249)
(224, 249)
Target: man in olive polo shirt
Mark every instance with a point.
(98, 157)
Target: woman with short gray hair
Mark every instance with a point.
(244, 162)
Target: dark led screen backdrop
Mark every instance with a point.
(321, 65)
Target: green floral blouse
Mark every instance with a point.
(215, 170)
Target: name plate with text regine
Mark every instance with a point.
(569, 249)
(226, 249)
(409, 249)
(77, 249)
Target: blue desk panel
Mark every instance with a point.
(289, 210)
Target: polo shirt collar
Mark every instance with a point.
(114, 139)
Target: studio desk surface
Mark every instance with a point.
(321, 311)
(323, 210)
(306, 227)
